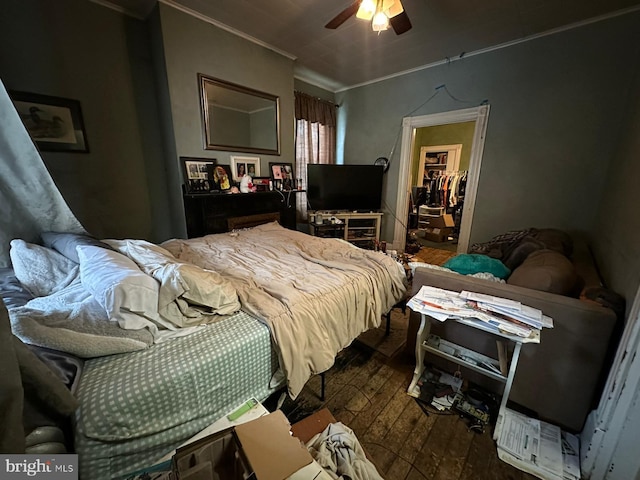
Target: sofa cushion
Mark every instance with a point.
(546, 270)
(519, 253)
(554, 239)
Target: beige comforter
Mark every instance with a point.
(315, 294)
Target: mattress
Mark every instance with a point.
(316, 294)
(135, 407)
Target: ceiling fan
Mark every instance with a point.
(382, 13)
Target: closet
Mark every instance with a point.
(433, 159)
(442, 192)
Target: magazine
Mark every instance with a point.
(495, 314)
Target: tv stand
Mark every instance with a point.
(360, 228)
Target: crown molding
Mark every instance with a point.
(205, 18)
(119, 9)
(482, 51)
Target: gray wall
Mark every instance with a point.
(99, 57)
(556, 109)
(137, 84)
(616, 232)
(192, 46)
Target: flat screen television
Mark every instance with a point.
(344, 187)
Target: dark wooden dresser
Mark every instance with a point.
(208, 213)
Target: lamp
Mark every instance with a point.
(379, 12)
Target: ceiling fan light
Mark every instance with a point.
(395, 8)
(366, 10)
(380, 22)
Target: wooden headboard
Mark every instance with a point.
(247, 221)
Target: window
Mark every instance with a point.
(315, 139)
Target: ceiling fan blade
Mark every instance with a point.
(344, 15)
(400, 23)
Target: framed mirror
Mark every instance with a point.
(237, 118)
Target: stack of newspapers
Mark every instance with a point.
(493, 313)
(537, 447)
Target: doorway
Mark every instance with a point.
(438, 185)
(410, 126)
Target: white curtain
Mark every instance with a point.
(315, 139)
(30, 202)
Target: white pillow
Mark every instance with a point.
(41, 270)
(127, 294)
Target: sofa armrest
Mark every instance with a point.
(558, 378)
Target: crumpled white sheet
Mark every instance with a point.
(71, 320)
(338, 451)
(188, 295)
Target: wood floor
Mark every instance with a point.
(434, 256)
(366, 391)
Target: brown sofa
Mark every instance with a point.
(559, 379)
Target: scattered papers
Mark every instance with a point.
(570, 456)
(437, 388)
(496, 314)
(537, 447)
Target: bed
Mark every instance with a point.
(284, 304)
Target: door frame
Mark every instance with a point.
(409, 124)
(603, 450)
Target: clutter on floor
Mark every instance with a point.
(450, 393)
(250, 442)
(529, 444)
(337, 450)
(537, 447)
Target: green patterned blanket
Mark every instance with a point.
(136, 407)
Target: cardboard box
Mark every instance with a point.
(263, 447)
(442, 221)
(434, 234)
(308, 427)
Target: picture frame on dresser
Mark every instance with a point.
(198, 174)
(221, 178)
(261, 183)
(282, 175)
(241, 166)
